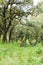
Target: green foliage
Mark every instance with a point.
(13, 23)
(8, 14)
(3, 1)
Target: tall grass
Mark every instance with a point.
(13, 54)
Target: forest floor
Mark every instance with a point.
(13, 54)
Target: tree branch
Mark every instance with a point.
(1, 15)
(1, 28)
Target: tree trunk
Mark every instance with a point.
(10, 34)
(23, 42)
(4, 37)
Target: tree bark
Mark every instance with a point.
(4, 37)
(23, 42)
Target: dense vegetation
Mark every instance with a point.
(15, 23)
(21, 32)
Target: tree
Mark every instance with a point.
(8, 13)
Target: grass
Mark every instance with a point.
(13, 54)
